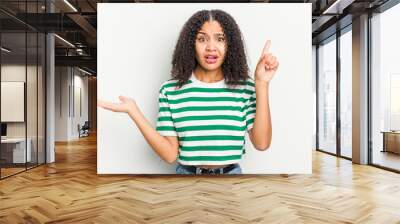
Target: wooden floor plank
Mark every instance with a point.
(70, 191)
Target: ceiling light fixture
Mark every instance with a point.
(337, 7)
(84, 71)
(64, 40)
(5, 50)
(79, 51)
(70, 5)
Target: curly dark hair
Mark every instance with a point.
(234, 67)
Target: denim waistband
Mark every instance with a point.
(199, 170)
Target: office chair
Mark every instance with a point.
(84, 130)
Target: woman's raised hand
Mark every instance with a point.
(267, 65)
(125, 105)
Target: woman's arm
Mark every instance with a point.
(165, 146)
(261, 133)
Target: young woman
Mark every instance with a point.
(210, 102)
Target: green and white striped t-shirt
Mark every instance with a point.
(210, 119)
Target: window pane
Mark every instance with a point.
(327, 97)
(386, 89)
(346, 94)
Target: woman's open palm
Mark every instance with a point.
(267, 64)
(125, 105)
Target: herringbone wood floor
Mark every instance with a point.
(70, 191)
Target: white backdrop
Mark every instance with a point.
(135, 46)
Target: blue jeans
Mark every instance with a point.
(180, 169)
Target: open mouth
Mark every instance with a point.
(211, 59)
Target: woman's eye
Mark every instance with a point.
(221, 39)
(201, 39)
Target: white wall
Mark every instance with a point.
(133, 60)
(61, 103)
(80, 102)
(68, 82)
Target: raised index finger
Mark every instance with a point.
(266, 47)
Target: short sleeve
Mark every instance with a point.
(165, 124)
(250, 109)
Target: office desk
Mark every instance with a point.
(16, 147)
(391, 141)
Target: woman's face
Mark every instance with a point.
(210, 46)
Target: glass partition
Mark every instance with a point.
(13, 95)
(22, 67)
(41, 107)
(32, 95)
